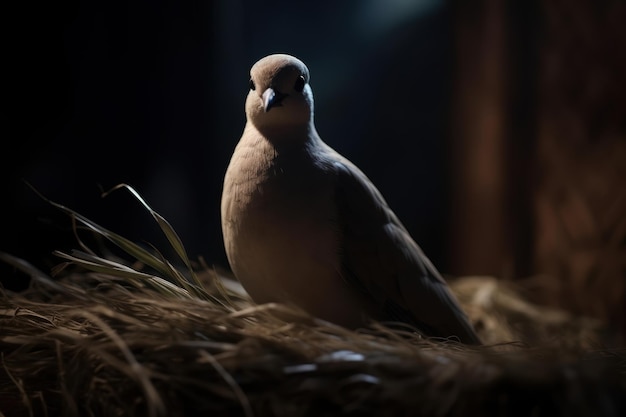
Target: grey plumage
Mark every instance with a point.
(303, 225)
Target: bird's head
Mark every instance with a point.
(280, 98)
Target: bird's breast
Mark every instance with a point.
(282, 237)
(280, 212)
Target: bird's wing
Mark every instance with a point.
(380, 258)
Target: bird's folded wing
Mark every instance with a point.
(380, 258)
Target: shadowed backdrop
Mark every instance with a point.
(495, 129)
(151, 93)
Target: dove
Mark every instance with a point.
(303, 226)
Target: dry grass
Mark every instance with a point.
(148, 337)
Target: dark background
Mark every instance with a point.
(496, 129)
(151, 93)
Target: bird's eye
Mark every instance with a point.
(251, 84)
(299, 86)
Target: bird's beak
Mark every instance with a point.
(272, 98)
(269, 96)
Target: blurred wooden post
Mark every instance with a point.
(493, 137)
(522, 66)
(538, 150)
(478, 245)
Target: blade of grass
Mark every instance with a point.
(126, 245)
(167, 229)
(195, 289)
(156, 261)
(96, 264)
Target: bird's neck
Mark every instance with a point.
(287, 136)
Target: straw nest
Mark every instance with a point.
(144, 336)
